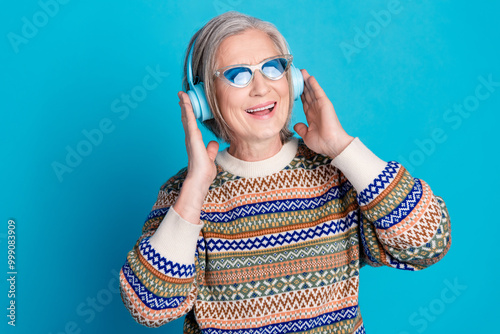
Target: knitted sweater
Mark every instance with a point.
(281, 243)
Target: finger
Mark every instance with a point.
(308, 93)
(304, 74)
(304, 102)
(307, 88)
(212, 149)
(183, 111)
(189, 120)
(301, 129)
(310, 88)
(193, 137)
(316, 88)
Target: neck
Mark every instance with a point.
(255, 150)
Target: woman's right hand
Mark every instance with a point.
(201, 165)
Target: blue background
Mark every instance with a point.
(393, 91)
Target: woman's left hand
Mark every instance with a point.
(324, 135)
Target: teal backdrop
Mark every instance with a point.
(418, 82)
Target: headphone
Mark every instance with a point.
(198, 99)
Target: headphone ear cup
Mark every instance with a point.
(297, 81)
(199, 102)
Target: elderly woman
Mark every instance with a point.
(270, 234)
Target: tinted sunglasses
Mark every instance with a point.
(241, 75)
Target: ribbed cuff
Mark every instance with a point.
(360, 165)
(176, 238)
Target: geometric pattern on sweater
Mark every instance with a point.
(163, 265)
(269, 223)
(282, 278)
(344, 326)
(431, 251)
(151, 300)
(243, 268)
(274, 240)
(290, 326)
(418, 227)
(396, 192)
(403, 209)
(157, 213)
(304, 303)
(326, 245)
(272, 207)
(251, 287)
(360, 330)
(406, 259)
(375, 252)
(157, 282)
(147, 316)
(270, 200)
(286, 179)
(378, 185)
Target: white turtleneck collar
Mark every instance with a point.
(258, 168)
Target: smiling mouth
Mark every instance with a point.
(263, 110)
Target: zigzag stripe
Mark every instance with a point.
(360, 330)
(290, 237)
(393, 262)
(200, 245)
(283, 255)
(403, 209)
(293, 178)
(147, 297)
(422, 214)
(245, 287)
(163, 265)
(380, 183)
(366, 249)
(373, 244)
(349, 259)
(420, 232)
(276, 206)
(299, 325)
(157, 213)
(305, 301)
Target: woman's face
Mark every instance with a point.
(251, 47)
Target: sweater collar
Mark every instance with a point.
(261, 168)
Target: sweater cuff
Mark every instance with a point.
(360, 165)
(176, 238)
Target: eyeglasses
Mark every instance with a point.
(241, 75)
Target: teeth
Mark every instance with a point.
(263, 108)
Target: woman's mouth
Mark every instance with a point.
(262, 110)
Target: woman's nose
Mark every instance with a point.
(259, 85)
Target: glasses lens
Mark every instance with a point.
(274, 68)
(238, 75)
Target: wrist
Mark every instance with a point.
(190, 201)
(338, 144)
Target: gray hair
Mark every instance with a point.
(208, 40)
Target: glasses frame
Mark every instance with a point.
(220, 72)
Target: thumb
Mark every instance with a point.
(212, 149)
(301, 129)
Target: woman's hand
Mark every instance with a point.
(324, 135)
(201, 170)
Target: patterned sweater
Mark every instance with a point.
(281, 243)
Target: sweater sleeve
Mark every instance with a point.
(402, 223)
(158, 282)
